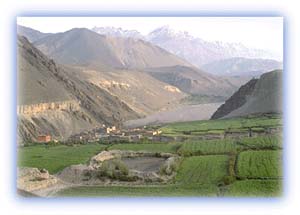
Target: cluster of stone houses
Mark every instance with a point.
(112, 134)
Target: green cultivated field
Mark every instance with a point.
(156, 147)
(255, 188)
(134, 191)
(263, 142)
(208, 147)
(56, 158)
(197, 170)
(225, 167)
(219, 125)
(259, 164)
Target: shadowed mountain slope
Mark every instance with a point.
(256, 97)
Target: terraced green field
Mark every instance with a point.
(254, 188)
(259, 164)
(156, 147)
(208, 147)
(218, 126)
(198, 170)
(262, 142)
(56, 158)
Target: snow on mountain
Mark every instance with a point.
(195, 50)
(118, 32)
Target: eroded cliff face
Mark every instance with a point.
(60, 124)
(58, 119)
(71, 105)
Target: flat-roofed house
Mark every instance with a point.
(44, 138)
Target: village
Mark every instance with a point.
(113, 134)
(109, 134)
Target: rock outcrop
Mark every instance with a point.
(32, 179)
(98, 159)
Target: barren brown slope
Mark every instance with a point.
(36, 84)
(31, 34)
(140, 91)
(53, 101)
(84, 47)
(195, 81)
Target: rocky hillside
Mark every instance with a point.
(37, 81)
(263, 95)
(195, 81)
(44, 94)
(139, 90)
(238, 99)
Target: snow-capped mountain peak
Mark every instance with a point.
(118, 32)
(193, 49)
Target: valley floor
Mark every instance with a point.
(241, 166)
(182, 113)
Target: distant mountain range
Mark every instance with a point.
(118, 32)
(241, 67)
(85, 48)
(223, 59)
(195, 50)
(81, 46)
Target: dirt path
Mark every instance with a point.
(52, 190)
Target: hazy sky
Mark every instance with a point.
(254, 32)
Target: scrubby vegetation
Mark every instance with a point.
(114, 169)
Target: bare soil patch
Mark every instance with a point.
(144, 164)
